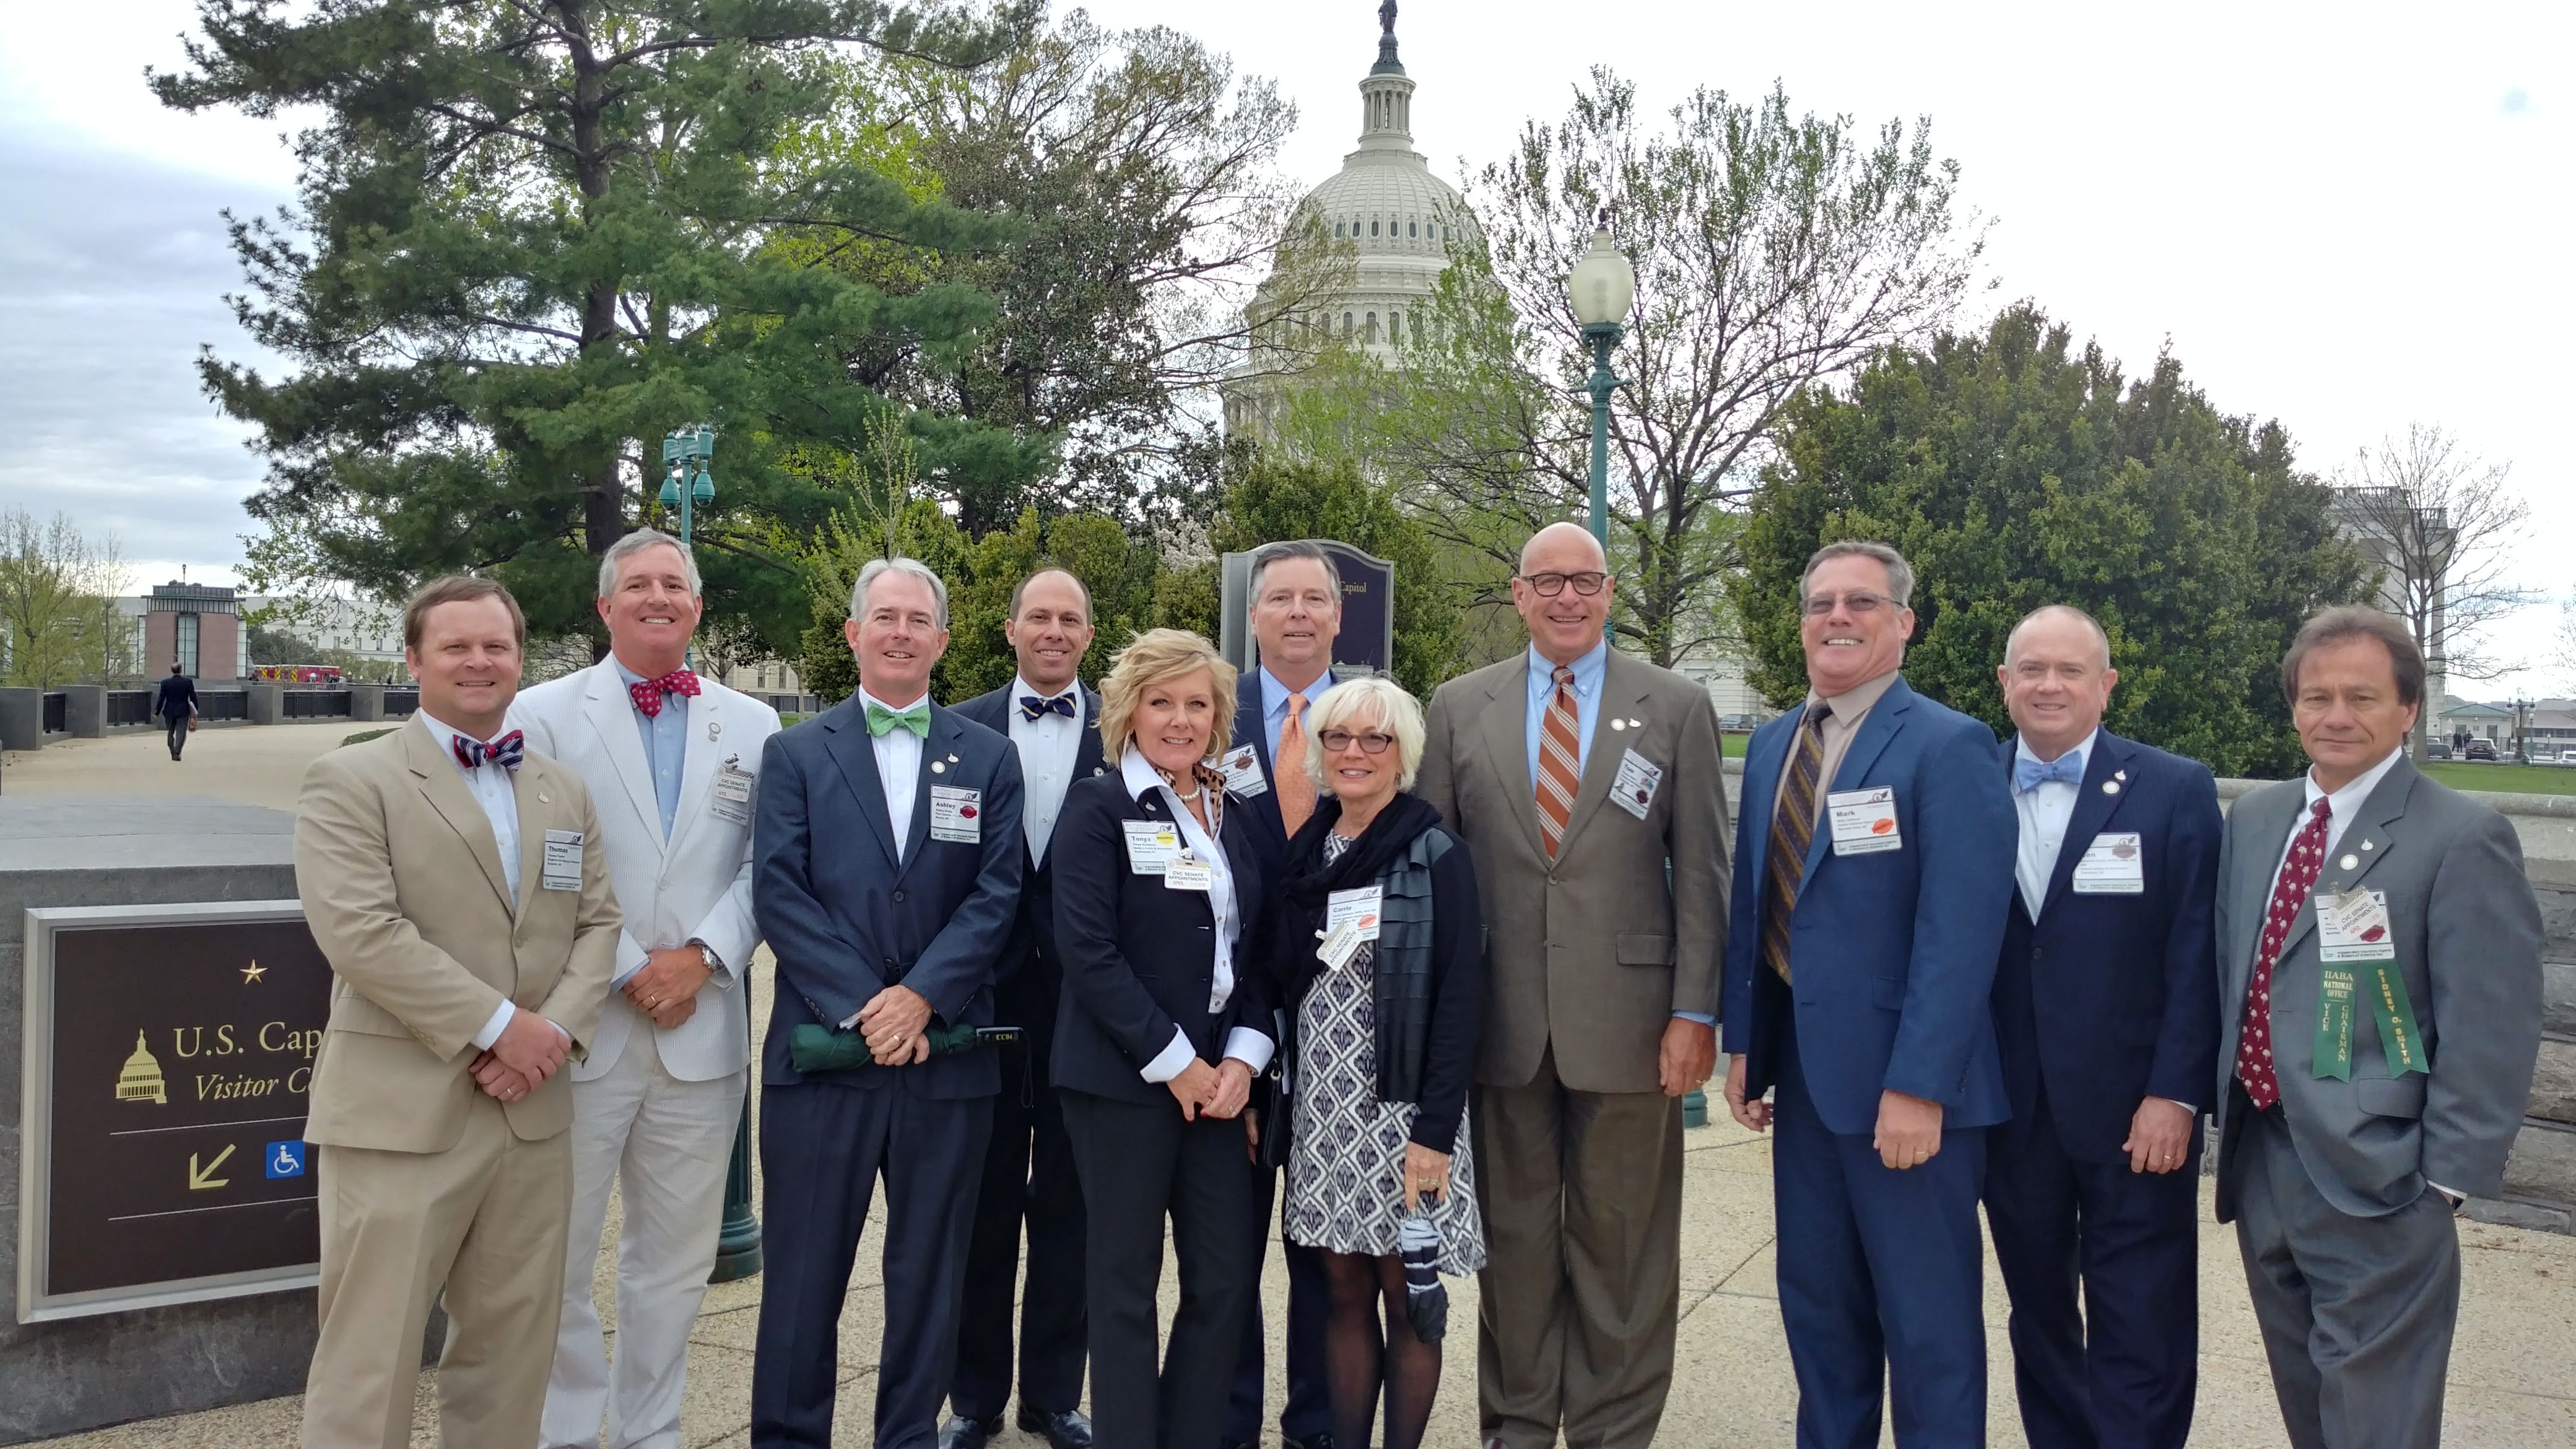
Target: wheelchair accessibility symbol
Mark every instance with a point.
(285, 1159)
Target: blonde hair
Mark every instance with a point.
(1158, 656)
(1397, 713)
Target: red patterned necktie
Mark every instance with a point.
(2298, 877)
(1560, 762)
(648, 694)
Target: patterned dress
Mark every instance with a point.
(1346, 1157)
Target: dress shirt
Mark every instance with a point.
(2045, 809)
(1851, 711)
(1253, 1048)
(1047, 746)
(490, 785)
(898, 753)
(1274, 713)
(1588, 671)
(666, 744)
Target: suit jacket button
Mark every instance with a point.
(1551, 880)
(898, 898)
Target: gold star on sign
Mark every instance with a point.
(252, 972)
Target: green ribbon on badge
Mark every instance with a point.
(2333, 1054)
(2351, 938)
(2399, 1038)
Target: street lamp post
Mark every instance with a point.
(689, 480)
(1601, 288)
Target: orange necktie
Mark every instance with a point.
(1288, 769)
(1560, 763)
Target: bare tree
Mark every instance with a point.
(2441, 523)
(57, 601)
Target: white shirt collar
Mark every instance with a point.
(866, 699)
(2349, 798)
(1274, 694)
(1021, 686)
(1140, 777)
(446, 734)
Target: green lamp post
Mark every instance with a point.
(1602, 287)
(689, 480)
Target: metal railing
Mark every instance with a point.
(223, 704)
(314, 704)
(129, 707)
(401, 700)
(57, 712)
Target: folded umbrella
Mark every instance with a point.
(1426, 1299)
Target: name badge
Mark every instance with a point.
(1151, 845)
(957, 814)
(1242, 767)
(1185, 872)
(733, 791)
(1863, 821)
(2353, 926)
(1350, 921)
(1638, 780)
(2113, 865)
(563, 861)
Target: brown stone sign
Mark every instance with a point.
(170, 1057)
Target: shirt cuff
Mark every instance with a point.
(1702, 1017)
(2179, 1102)
(493, 1028)
(1250, 1047)
(2456, 1196)
(631, 958)
(1174, 1060)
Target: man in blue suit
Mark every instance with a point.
(1873, 864)
(887, 859)
(1296, 615)
(2106, 1012)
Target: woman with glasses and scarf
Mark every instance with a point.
(1378, 952)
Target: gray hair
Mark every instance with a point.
(2101, 636)
(1900, 574)
(1271, 553)
(878, 568)
(1396, 712)
(635, 543)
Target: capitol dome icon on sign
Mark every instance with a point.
(141, 1079)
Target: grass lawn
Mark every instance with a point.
(2527, 779)
(1734, 745)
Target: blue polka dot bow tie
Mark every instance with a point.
(2030, 774)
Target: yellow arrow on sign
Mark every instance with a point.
(198, 1181)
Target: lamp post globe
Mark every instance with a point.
(1601, 289)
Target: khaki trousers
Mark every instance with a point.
(482, 1222)
(1582, 1195)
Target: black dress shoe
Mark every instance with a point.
(1320, 1441)
(961, 1432)
(1061, 1428)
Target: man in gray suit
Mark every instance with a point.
(1576, 775)
(2377, 1040)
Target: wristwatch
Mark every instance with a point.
(715, 963)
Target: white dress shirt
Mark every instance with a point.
(1047, 748)
(898, 767)
(2046, 809)
(1252, 1048)
(490, 786)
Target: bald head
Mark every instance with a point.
(2057, 616)
(1563, 547)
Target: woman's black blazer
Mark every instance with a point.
(1139, 958)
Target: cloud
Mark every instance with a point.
(112, 274)
(2517, 102)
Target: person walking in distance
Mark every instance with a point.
(176, 704)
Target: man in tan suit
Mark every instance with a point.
(1577, 775)
(454, 882)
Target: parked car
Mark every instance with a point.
(2481, 750)
(2567, 757)
(2437, 749)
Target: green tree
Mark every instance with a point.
(2014, 471)
(58, 620)
(531, 238)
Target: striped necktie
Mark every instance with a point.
(1793, 825)
(1560, 763)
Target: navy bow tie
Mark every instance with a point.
(506, 752)
(2030, 774)
(1033, 708)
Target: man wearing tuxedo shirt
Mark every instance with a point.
(886, 868)
(2106, 1020)
(1053, 722)
(1296, 616)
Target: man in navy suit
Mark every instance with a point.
(2106, 1013)
(887, 859)
(1873, 865)
(1296, 616)
(1053, 720)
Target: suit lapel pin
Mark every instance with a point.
(542, 800)
(952, 759)
(2119, 774)
(2349, 862)
(1636, 724)
(938, 767)
(2365, 845)
(2110, 787)
(714, 729)
(1618, 724)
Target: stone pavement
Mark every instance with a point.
(2511, 1384)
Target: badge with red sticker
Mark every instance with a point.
(956, 813)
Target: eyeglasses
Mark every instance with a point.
(1858, 601)
(1336, 741)
(1551, 585)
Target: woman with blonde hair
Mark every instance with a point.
(1159, 910)
(1378, 951)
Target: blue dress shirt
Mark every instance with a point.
(1587, 702)
(666, 744)
(1274, 708)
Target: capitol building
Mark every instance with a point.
(1388, 217)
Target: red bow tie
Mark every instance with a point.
(648, 695)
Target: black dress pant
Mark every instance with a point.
(1309, 1410)
(178, 734)
(1140, 1163)
(2120, 1371)
(1029, 1178)
(822, 1148)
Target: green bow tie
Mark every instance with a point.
(915, 719)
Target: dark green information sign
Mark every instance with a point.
(170, 1060)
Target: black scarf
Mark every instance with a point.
(1307, 880)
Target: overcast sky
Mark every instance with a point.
(2347, 217)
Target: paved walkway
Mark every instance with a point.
(2511, 1383)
